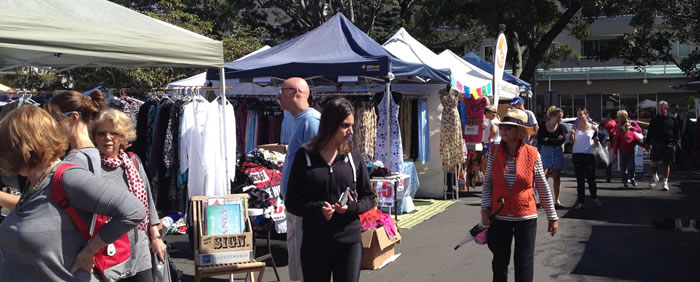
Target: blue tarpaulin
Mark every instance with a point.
(488, 67)
(335, 48)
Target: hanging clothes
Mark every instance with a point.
(405, 118)
(474, 126)
(392, 148)
(451, 151)
(414, 129)
(365, 137)
(423, 132)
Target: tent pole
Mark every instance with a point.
(387, 96)
(222, 94)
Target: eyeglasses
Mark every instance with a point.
(58, 116)
(103, 134)
(286, 88)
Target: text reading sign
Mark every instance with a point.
(385, 194)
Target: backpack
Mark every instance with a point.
(113, 254)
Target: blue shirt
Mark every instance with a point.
(305, 127)
(287, 124)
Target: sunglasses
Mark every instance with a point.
(59, 116)
(506, 126)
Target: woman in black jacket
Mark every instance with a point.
(322, 171)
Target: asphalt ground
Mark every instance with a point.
(638, 234)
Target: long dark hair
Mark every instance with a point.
(333, 115)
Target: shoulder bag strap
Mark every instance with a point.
(59, 197)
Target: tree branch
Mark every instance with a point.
(537, 54)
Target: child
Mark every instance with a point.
(626, 142)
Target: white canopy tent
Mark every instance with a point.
(647, 104)
(96, 33)
(473, 75)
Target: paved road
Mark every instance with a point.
(632, 237)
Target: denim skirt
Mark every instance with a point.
(552, 157)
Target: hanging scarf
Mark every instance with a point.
(134, 180)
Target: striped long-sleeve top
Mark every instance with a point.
(541, 185)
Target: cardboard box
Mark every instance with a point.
(377, 247)
(223, 258)
(274, 147)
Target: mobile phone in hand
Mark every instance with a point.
(344, 197)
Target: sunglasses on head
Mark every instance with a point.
(60, 115)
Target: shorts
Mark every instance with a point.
(552, 157)
(662, 152)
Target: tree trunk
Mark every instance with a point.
(519, 50)
(533, 59)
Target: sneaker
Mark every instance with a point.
(633, 182)
(597, 202)
(625, 186)
(578, 206)
(665, 186)
(654, 180)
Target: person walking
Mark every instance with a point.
(610, 128)
(519, 103)
(663, 136)
(491, 136)
(40, 242)
(625, 144)
(325, 170)
(113, 132)
(294, 98)
(584, 137)
(511, 170)
(551, 137)
(687, 136)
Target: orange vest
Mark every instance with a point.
(520, 200)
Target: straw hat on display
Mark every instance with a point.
(518, 118)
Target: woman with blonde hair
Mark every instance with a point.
(551, 137)
(40, 242)
(511, 170)
(113, 132)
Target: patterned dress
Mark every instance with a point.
(394, 147)
(451, 150)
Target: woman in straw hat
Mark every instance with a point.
(511, 170)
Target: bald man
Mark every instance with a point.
(294, 98)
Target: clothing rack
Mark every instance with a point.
(118, 90)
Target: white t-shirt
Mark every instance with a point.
(487, 131)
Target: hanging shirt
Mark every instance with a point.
(305, 127)
(199, 136)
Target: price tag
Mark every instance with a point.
(471, 130)
(385, 194)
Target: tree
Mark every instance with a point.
(217, 19)
(530, 26)
(660, 24)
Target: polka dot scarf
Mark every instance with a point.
(135, 182)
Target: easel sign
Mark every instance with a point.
(228, 213)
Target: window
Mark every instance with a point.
(685, 49)
(628, 102)
(603, 47)
(567, 106)
(610, 105)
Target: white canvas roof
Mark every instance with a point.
(93, 33)
(473, 76)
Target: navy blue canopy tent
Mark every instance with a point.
(488, 67)
(335, 48)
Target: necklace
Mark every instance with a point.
(26, 195)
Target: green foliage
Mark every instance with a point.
(654, 37)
